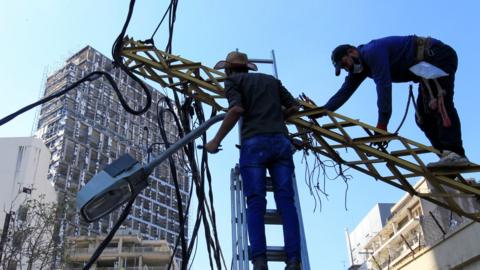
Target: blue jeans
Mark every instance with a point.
(272, 152)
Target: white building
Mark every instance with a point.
(370, 225)
(423, 235)
(24, 165)
(23, 172)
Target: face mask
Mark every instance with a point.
(357, 65)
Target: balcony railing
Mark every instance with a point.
(128, 268)
(142, 250)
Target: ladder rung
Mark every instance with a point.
(335, 125)
(269, 184)
(334, 146)
(406, 175)
(400, 153)
(276, 254)
(272, 217)
(375, 138)
(455, 170)
(370, 161)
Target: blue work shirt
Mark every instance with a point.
(385, 60)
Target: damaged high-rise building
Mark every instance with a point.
(87, 128)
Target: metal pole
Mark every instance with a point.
(243, 205)
(182, 142)
(349, 246)
(303, 242)
(274, 60)
(6, 226)
(242, 240)
(438, 223)
(234, 220)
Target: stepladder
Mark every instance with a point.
(240, 245)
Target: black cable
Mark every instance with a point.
(200, 189)
(174, 178)
(201, 213)
(161, 21)
(117, 60)
(145, 128)
(117, 46)
(212, 217)
(185, 114)
(187, 209)
(110, 235)
(89, 77)
(199, 110)
(173, 171)
(172, 17)
(189, 150)
(409, 99)
(200, 186)
(194, 255)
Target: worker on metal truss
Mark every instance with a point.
(264, 104)
(403, 59)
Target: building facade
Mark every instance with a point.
(87, 128)
(126, 251)
(27, 201)
(23, 171)
(423, 235)
(370, 225)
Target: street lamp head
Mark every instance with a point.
(119, 182)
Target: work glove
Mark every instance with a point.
(380, 145)
(382, 126)
(318, 115)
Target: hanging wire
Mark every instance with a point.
(320, 170)
(161, 123)
(160, 23)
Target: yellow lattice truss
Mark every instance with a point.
(344, 140)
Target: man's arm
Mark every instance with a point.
(235, 110)
(352, 82)
(286, 99)
(228, 123)
(378, 60)
(290, 111)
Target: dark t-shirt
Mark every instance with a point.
(262, 97)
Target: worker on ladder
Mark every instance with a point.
(264, 104)
(390, 59)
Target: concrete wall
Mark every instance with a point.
(24, 163)
(459, 250)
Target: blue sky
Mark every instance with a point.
(38, 36)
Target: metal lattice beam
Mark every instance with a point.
(395, 164)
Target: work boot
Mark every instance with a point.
(449, 159)
(260, 263)
(293, 265)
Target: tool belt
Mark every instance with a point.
(422, 47)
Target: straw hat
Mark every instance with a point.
(235, 60)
